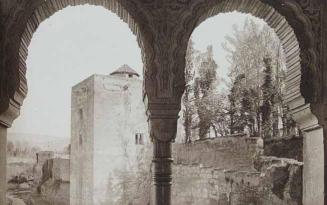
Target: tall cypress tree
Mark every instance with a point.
(203, 89)
(188, 109)
(268, 98)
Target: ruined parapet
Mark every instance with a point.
(41, 158)
(284, 147)
(234, 171)
(281, 181)
(227, 153)
(54, 186)
(196, 184)
(244, 187)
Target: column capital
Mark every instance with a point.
(162, 118)
(303, 114)
(320, 111)
(10, 114)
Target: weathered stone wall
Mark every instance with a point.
(107, 113)
(285, 147)
(201, 168)
(41, 158)
(55, 183)
(193, 184)
(56, 192)
(60, 169)
(280, 181)
(226, 153)
(222, 171)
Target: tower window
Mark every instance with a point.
(139, 139)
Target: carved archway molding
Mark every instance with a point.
(163, 28)
(20, 19)
(165, 40)
(297, 24)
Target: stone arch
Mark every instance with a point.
(295, 32)
(297, 25)
(24, 22)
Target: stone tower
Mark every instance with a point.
(108, 123)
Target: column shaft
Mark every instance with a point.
(162, 172)
(325, 163)
(3, 164)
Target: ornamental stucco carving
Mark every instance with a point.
(163, 28)
(305, 18)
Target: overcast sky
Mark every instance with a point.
(80, 41)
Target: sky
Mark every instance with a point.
(80, 41)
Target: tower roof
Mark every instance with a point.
(125, 69)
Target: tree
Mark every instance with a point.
(268, 99)
(188, 107)
(247, 48)
(235, 106)
(204, 85)
(219, 113)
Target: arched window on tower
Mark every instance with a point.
(139, 139)
(136, 138)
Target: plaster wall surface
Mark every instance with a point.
(111, 113)
(81, 163)
(313, 168)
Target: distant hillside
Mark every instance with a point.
(45, 142)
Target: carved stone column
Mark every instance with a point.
(6, 119)
(313, 151)
(325, 162)
(320, 110)
(3, 164)
(163, 129)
